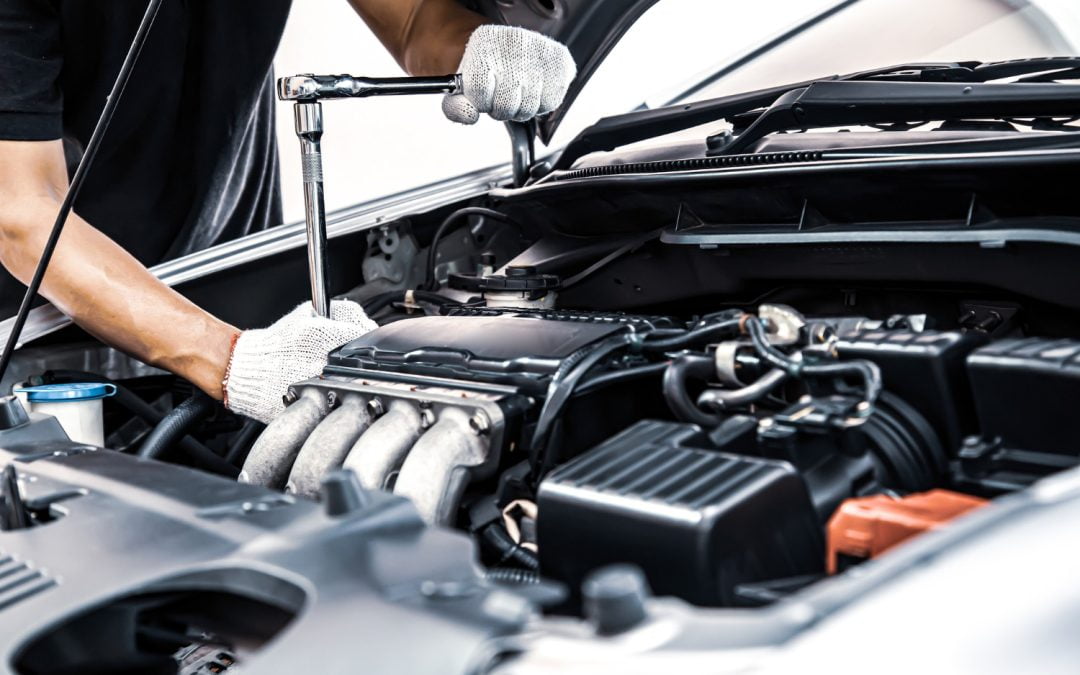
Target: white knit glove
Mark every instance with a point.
(266, 361)
(511, 74)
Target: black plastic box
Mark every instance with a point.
(1027, 393)
(927, 370)
(698, 521)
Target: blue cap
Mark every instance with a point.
(76, 391)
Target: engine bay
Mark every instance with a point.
(732, 458)
(717, 454)
(575, 422)
(572, 421)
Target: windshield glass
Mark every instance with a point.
(866, 34)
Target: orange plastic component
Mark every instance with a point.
(865, 527)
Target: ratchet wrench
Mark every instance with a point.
(306, 91)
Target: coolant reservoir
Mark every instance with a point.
(77, 406)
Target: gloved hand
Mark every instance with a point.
(511, 74)
(266, 361)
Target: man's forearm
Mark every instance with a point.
(426, 37)
(113, 297)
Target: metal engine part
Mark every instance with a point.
(426, 406)
(422, 442)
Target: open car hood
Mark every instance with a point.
(589, 29)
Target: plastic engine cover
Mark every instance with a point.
(503, 349)
(698, 522)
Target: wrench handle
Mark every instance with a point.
(325, 87)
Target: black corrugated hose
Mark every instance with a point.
(509, 550)
(512, 576)
(176, 424)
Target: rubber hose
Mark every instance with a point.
(177, 423)
(134, 404)
(867, 370)
(927, 437)
(766, 351)
(707, 333)
(242, 442)
(725, 399)
(509, 550)
(683, 368)
(512, 576)
(906, 442)
(619, 376)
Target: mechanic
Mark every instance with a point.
(190, 161)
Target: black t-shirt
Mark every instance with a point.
(189, 159)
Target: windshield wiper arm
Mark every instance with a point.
(611, 132)
(973, 71)
(844, 102)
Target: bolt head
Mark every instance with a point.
(290, 397)
(480, 423)
(332, 399)
(427, 418)
(376, 407)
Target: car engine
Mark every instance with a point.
(711, 452)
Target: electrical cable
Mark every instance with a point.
(431, 283)
(381, 301)
(561, 389)
(77, 180)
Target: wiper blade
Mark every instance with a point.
(838, 103)
(1041, 69)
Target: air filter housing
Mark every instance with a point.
(698, 521)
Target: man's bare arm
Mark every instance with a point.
(426, 37)
(98, 284)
